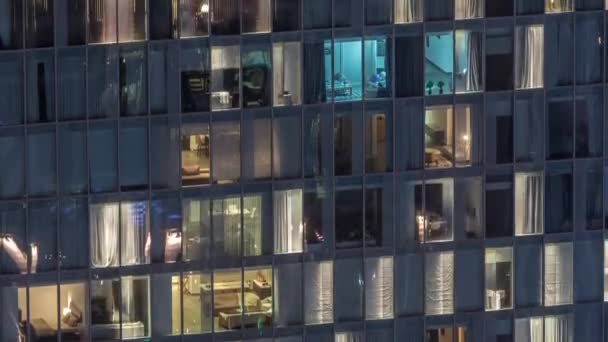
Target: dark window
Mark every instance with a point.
(559, 128)
(286, 145)
(317, 66)
(256, 16)
(12, 179)
(11, 89)
(378, 12)
(40, 23)
(73, 169)
(318, 151)
(530, 6)
(11, 17)
(317, 14)
(589, 48)
(225, 18)
(439, 9)
(12, 227)
(348, 275)
(285, 15)
(529, 127)
(164, 142)
(71, 22)
(499, 204)
(499, 8)
(103, 160)
(72, 220)
(589, 206)
(558, 198)
(409, 70)
(559, 53)
(256, 140)
(164, 77)
(499, 57)
(133, 155)
(409, 143)
(71, 84)
(378, 212)
(195, 76)
(133, 81)
(102, 73)
(194, 18)
(41, 161)
(589, 5)
(499, 129)
(589, 122)
(348, 130)
(40, 78)
(317, 217)
(349, 213)
(42, 232)
(163, 19)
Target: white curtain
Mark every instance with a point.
(467, 9)
(529, 203)
(529, 329)
(559, 328)
(288, 221)
(379, 288)
(408, 11)
(286, 73)
(530, 56)
(104, 228)
(318, 292)
(349, 336)
(439, 283)
(472, 81)
(558, 5)
(134, 245)
(558, 274)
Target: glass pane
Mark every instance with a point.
(131, 20)
(165, 225)
(529, 127)
(225, 63)
(499, 53)
(349, 214)
(195, 147)
(14, 254)
(469, 9)
(194, 18)
(285, 15)
(72, 227)
(43, 236)
(439, 63)
(134, 233)
(377, 67)
(228, 303)
(378, 288)
(408, 11)
(71, 84)
(41, 155)
(287, 146)
(73, 306)
(11, 17)
(257, 77)
(318, 66)
(256, 16)
(529, 68)
(348, 277)
(40, 78)
(40, 26)
(133, 155)
(288, 237)
(347, 78)
(102, 73)
(135, 307)
(133, 81)
(287, 75)
(468, 61)
(256, 143)
(103, 161)
(318, 292)
(102, 21)
(195, 76)
(559, 200)
(11, 88)
(225, 17)
(317, 14)
(225, 151)
(164, 80)
(377, 12)
(559, 130)
(197, 306)
(104, 234)
(226, 220)
(439, 130)
(558, 274)
(12, 179)
(439, 283)
(529, 203)
(196, 229)
(559, 45)
(499, 204)
(165, 144)
(498, 278)
(163, 16)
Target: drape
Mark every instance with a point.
(474, 67)
(288, 221)
(287, 74)
(529, 329)
(558, 274)
(314, 80)
(349, 336)
(558, 5)
(379, 288)
(104, 228)
(530, 56)
(318, 292)
(559, 328)
(468, 9)
(408, 11)
(529, 203)
(439, 280)
(134, 233)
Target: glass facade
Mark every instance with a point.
(303, 170)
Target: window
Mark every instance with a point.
(72, 306)
(588, 122)
(588, 50)
(434, 221)
(196, 152)
(499, 129)
(288, 228)
(378, 212)
(103, 157)
(377, 67)
(347, 145)
(529, 130)
(196, 303)
(439, 283)
(256, 16)
(499, 53)
(529, 203)
(559, 201)
(317, 14)
(499, 8)
(318, 292)
(468, 133)
(102, 21)
(194, 18)
(196, 227)
(378, 288)
(195, 76)
(469, 9)
(42, 238)
(228, 303)
(285, 15)
(257, 221)
(102, 76)
(166, 301)
(224, 16)
(11, 15)
(40, 80)
(133, 80)
(468, 76)
(163, 74)
(558, 273)
(409, 120)
(435, 10)
(123, 302)
(134, 155)
(529, 329)
(438, 137)
(38, 302)
(499, 203)
(559, 48)
(317, 217)
(40, 28)
(13, 239)
(409, 76)
(439, 63)
(318, 65)
(408, 11)
(348, 278)
(73, 216)
(468, 209)
(256, 140)
(71, 81)
(131, 20)
(287, 292)
(286, 145)
(588, 176)
(164, 141)
(41, 161)
(348, 213)
(378, 138)
(162, 21)
(257, 77)
(529, 68)
(559, 328)
(498, 278)
(287, 75)
(259, 290)
(226, 220)
(377, 12)
(347, 78)
(527, 273)
(317, 149)
(71, 22)
(165, 228)
(225, 149)
(11, 88)
(559, 130)
(225, 64)
(552, 6)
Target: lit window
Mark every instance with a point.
(195, 18)
(256, 16)
(347, 78)
(439, 283)
(556, 6)
(558, 274)
(529, 203)
(196, 298)
(468, 73)
(529, 329)
(499, 284)
(257, 76)
(225, 65)
(438, 136)
(439, 63)
(469, 9)
(286, 73)
(559, 328)
(379, 288)
(529, 51)
(408, 11)
(377, 67)
(288, 228)
(196, 153)
(434, 221)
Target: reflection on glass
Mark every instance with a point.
(438, 63)
(439, 283)
(225, 63)
(133, 81)
(498, 275)
(224, 17)
(226, 222)
(286, 73)
(438, 137)
(225, 149)
(319, 292)
(347, 78)
(195, 76)
(131, 20)
(11, 19)
(379, 288)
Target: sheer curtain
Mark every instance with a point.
(529, 203)
(288, 221)
(559, 328)
(558, 5)
(287, 75)
(134, 233)
(408, 11)
(529, 329)
(530, 56)
(439, 280)
(467, 9)
(558, 274)
(227, 226)
(318, 292)
(379, 288)
(104, 228)
(474, 68)
(349, 336)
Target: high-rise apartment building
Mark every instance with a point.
(303, 170)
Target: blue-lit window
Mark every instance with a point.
(439, 63)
